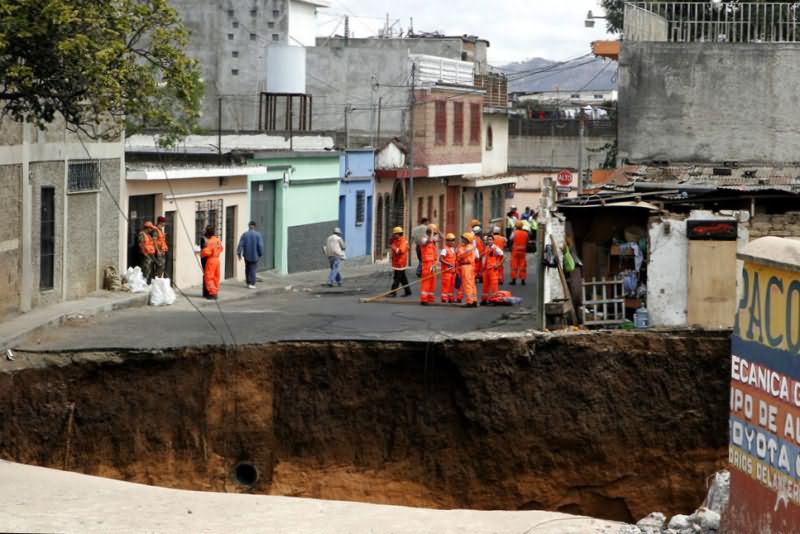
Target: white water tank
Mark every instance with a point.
(286, 69)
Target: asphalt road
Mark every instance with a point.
(311, 313)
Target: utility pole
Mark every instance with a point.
(346, 126)
(581, 125)
(219, 129)
(412, 101)
(378, 133)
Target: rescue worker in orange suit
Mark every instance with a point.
(428, 252)
(161, 247)
(399, 249)
(493, 266)
(476, 229)
(519, 246)
(468, 256)
(211, 252)
(147, 247)
(501, 242)
(447, 260)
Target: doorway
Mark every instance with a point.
(169, 229)
(262, 211)
(369, 225)
(343, 215)
(141, 208)
(230, 242)
(47, 238)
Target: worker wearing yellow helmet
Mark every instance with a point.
(519, 246)
(428, 255)
(448, 265)
(398, 247)
(467, 256)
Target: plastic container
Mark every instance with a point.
(641, 318)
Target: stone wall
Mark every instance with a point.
(10, 228)
(779, 225)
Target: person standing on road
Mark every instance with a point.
(467, 257)
(519, 247)
(417, 235)
(211, 252)
(335, 249)
(428, 256)
(511, 219)
(478, 243)
(147, 247)
(501, 242)
(447, 260)
(250, 249)
(399, 248)
(160, 259)
(493, 263)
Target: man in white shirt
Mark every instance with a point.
(334, 248)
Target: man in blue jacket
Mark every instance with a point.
(251, 248)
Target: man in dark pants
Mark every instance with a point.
(251, 248)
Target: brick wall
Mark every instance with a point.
(779, 225)
(430, 153)
(10, 232)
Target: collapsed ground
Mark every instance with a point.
(611, 424)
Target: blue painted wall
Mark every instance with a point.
(357, 169)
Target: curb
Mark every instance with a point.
(133, 301)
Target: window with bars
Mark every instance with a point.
(497, 203)
(83, 176)
(458, 123)
(474, 124)
(207, 213)
(440, 123)
(361, 207)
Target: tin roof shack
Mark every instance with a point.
(610, 245)
(708, 213)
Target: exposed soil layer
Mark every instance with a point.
(613, 425)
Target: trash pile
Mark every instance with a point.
(705, 520)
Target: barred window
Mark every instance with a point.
(83, 176)
(207, 213)
(361, 210)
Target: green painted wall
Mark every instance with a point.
(311, 196)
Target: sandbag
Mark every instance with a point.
(161, 292)
(136, 281)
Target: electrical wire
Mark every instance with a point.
(599, 72)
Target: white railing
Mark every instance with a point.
(435, 69)
(735, 22)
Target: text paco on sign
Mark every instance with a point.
(764, 448)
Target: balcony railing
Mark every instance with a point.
(522, 127)
(735, 22)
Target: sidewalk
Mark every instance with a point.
(21, 326)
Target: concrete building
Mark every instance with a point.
(190, 193)
(567, 97)
(59, 222)
(356, 206)
(296, 203)
(231, 41)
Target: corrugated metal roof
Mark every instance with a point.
(692, 176)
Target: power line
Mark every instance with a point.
(599, 72)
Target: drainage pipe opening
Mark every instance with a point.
(245, 473)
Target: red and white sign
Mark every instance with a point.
(564, 178)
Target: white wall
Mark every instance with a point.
(495, 161)
(668, 260)
(302, 24)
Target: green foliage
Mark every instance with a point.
(103, 65)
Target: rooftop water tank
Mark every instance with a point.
(286, 69)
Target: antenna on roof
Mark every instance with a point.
(411, 27)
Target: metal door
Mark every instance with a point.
(343, 215)
(141, 208)
(47, 239)
(262, 211)
(230, 242)
(169, 229)
(452, 209)
(369, 225)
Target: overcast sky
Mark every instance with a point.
(516, 29)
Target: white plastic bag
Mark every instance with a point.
(161, 292)
(136, 281)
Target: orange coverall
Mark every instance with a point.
(479, 265)
(211, 252)
(427, 288)
(519, 265)
(447, 259)
(493, 262)
(466, 263)
(501, 242)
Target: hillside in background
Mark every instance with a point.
(537, 74)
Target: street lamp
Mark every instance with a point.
(590, 18)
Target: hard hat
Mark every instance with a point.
(397, 230)
(496, 230)
(519, 224)
(476, 229)
(450, 236)
(433, 228)
(475, 222)
(469, 236)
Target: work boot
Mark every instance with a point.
(523, 282)
(513, 282)
(407, 293)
